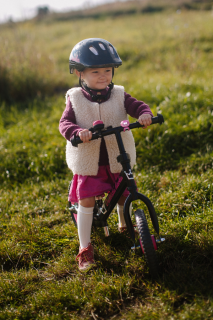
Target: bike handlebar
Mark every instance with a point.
(108, 131)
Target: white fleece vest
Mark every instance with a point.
(84, 159)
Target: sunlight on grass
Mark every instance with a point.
(167, 58)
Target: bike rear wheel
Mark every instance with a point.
(146, 243)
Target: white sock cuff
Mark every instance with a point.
(119, 207)
(85, 210)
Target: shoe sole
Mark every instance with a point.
(88, 267)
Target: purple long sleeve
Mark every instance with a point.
(136, 108)
(68, 126)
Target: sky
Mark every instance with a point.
(24, 9)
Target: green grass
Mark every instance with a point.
(167, 62)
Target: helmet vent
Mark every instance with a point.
(111, 49)
(101, 46)
(93, 50)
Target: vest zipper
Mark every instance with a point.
(99, 111)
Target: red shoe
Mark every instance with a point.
(86, 258)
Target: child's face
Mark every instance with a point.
(97, 78)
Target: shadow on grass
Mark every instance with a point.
(112, 252)
(187, 267)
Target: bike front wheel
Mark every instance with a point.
(146, 243)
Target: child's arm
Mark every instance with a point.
(67, 124)
(138, 109)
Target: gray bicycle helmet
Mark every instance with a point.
(93, 53)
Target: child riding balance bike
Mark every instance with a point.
(101, 151)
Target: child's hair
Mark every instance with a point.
(93, 53)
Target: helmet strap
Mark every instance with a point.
(80, 81)
(97, 98)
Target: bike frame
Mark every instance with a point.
(125, 180)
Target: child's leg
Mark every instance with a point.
(120, 210)
(84, 220)
(87, 202)
(121, 200)
(85, 256)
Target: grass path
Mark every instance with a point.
(167, 63)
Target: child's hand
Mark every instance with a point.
(85, 135)
(145, 119)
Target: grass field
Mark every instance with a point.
(167, 62)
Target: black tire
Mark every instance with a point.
(147, 243)
(73, 208)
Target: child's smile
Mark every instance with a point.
(97, 78)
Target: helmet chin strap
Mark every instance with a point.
(98, 97)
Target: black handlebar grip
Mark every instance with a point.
(158, 119)
(75, 141)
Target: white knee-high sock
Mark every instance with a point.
(120, 210)
(84, 221)
(121, 221)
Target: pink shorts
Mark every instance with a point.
(91, 186)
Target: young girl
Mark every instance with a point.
(94, 163)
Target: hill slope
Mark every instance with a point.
(167, 62)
